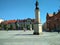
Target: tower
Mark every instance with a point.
(37, 24)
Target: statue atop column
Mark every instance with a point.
(37, 25)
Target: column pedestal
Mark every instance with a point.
(37, 29)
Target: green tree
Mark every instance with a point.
(5, 27)
(16, 25)
(11, 27)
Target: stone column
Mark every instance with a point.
(37, 24)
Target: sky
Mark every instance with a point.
(23, 9)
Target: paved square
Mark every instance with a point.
(27, 38)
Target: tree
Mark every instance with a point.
(16, 25)
(11, 26)
(5, 27)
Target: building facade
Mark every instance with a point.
(18, 24)
(53, 21)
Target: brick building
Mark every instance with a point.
(53, 21)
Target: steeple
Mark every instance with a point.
(59, 9)
(37, 4)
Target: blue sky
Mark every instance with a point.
(22, 9)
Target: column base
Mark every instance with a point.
(36, 33)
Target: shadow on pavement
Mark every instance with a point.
(22, 34)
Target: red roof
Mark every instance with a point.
(21, 20)
(13, 21)
(9, 21)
